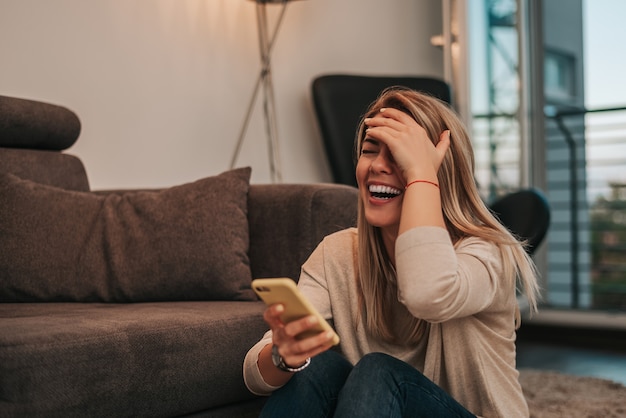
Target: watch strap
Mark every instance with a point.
(279, 362)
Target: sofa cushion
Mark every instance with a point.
(187, 242)
(123, 360)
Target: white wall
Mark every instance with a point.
(161, 86)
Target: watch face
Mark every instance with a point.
(276, 358)
(280, 363)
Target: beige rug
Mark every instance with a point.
(557, 395)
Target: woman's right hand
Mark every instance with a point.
(295, 351)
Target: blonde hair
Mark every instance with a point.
(465, 215)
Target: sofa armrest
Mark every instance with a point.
(287, 221)
(36, 125)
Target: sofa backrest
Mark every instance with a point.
(287, 221)
(47, 167)
(32, 136)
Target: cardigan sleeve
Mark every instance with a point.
(313, 286)
(251, 373)
(438, 282)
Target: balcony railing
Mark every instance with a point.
(586, 187)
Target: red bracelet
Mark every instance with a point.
(421, 181)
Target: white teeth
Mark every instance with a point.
(377, 188)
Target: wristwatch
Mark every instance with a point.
(279, 362)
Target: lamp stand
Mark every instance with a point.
(266, 42)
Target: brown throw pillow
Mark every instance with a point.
(187, 242)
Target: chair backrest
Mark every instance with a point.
(340, 100)
(526, 213)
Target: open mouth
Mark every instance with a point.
(383, 192)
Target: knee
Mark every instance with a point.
(383, 367)
(323, 379)
(326, 371)
(312, 391)
(328, 366)
(373, 367)
(376, 361)
(371, 378)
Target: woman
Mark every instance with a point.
(422, 293)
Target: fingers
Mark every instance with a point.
(391, 118)
(391, 125)
(390, 112)
(293, 350)
(443, 145)
(272, 315)
(294, 328)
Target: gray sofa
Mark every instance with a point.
(136, 303)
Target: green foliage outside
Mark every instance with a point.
(608, 250)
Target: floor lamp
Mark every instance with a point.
(266, 42)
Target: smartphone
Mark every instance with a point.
(284, 290)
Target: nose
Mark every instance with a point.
(383, 163)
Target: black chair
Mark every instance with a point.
(526, 213)
(340, 100)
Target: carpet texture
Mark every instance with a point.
(557, 395)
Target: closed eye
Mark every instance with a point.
(370, 146)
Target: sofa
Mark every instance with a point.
(136, 302)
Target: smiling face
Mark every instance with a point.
(380, 186)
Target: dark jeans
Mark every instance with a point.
(377, 386)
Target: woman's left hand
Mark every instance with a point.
(413, 151)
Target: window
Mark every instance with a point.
(576, 155)
(559, 68)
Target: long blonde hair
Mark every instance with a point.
(464, 212)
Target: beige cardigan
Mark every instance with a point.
(471, 310)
